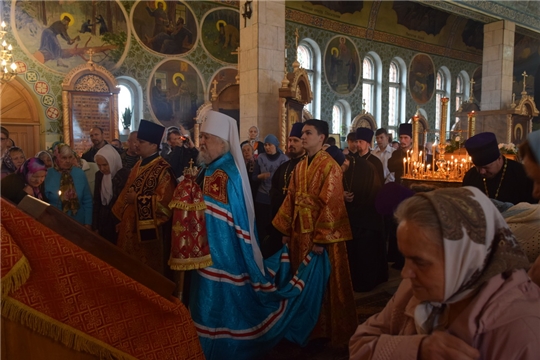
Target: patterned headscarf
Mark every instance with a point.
(477, 246)
(115, 163)
(44, 152)
(68, 194)
(29, 168)
(8, 161)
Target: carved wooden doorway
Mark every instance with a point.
(20, 115)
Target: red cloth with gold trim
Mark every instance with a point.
(75, 298)
(215, 186)
(189, 242)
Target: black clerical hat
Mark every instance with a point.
(405, 129)
(150, 131)
(483, 148)
(296, 130)
(336, 153)
(365, 134)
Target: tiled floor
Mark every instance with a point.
(368, 303)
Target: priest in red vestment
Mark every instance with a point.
(313, 217)
(143, 206)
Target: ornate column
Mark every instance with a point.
(260, 65)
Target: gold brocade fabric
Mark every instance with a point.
(139, 229)
(314, 212)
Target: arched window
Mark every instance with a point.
(337, 118)
(341, 117)
(397, 93)
(368, 83)
(439, 94)
(309, 57)
(125, 100)
(130, 96)
(393, 94)
(305, 58)
(460, 93)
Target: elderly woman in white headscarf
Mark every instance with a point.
(465, 293)
(110, 180)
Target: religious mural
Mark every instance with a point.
(221, 34)
(526, 64)
(341, 62)
(166, 27)
(406, 21)
(60, 35)
(224, 77)
(421, 78)
(175, 91)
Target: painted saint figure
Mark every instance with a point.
(50, 46)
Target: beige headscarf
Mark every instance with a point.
(477, 246)
(115, 163)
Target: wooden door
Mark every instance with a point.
(19, 114)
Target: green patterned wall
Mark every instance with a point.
(386, 52)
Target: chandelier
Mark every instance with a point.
(8, 67)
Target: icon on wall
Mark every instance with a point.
(421, 78)
(166, 27)
(341, 63)
(175, 91)
(221, 34)
(62, 37)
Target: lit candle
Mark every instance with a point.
(404, 166)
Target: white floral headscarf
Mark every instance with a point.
(477, 246)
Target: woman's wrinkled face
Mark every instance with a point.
(424, 261)
(37, 178)
(270, 149)
(46, 160)
(18, 158)
(247, 152)
(253, 133)
(65, 162)
(103, 165)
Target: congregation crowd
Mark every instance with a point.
(289, 235)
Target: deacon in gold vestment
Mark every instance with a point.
(143, 206)
(313, 217)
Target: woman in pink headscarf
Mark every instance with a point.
(28, 180)
(465, 293)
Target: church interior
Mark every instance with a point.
(451, 68)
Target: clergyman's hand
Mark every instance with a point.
(349, 196)
(443, 346)
(317, 249)
(131, 196)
